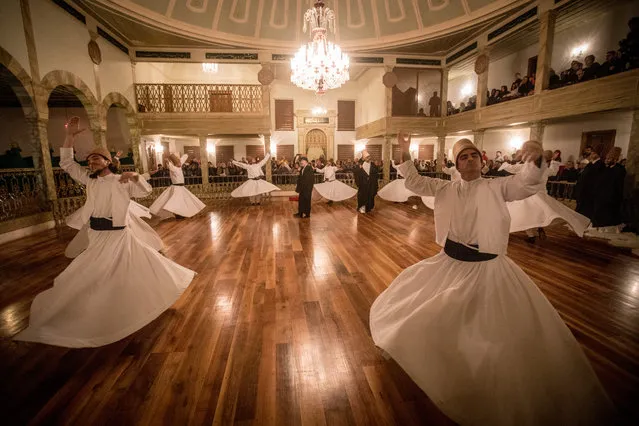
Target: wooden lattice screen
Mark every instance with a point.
(284, 114)
(199, 97)
(345, 152)
(375, 151)
(254, 151)
(426, 152)
(345, 115)
(286, 152)
(224, 153)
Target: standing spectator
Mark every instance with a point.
(609, 192)
(435, 104)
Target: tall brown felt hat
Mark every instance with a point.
(461, 145)
(102, 152)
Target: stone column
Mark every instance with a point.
(38, 132)
(267, 150)
(482, 78)
(478, 138)
(204, 161)
(537, 131)
(99, 137)
(546, 39)
(135, 149)
(444, 91)
(387, 153)
(388, 94)
(441, 152)
(632, 159)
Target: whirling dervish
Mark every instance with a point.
(395, 190)
(176, 200)
(469, 326)
(332, 189)
(142, 230)
(536, 212)
(118, 284)
(255, 186)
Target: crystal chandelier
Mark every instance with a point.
(209, 67)
(319, 65)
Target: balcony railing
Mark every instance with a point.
(242, 98)
(21, 193)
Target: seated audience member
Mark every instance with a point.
(504, 93)
(450, 109)
(613, 65)
(516, 83)
(580, 76)
(569, 76)
(525, 87)
(591, 69)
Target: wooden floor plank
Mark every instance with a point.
(274, 328)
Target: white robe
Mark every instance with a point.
(537, 211)
(176, 199)
(254, 185)
(480, 338)
(142, 230)
(332, 189)
(395, 190)
(114, 287)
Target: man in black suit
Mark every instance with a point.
(367, 180)
(585, 190)
(305, 188)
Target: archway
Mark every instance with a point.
(70, 83)
(316, 144)
(21, 148)
(122, 128)
(62, 104)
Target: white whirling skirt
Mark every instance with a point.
(138, 210)
(253, 187)
(540, 210)
(114, 288)
(176, 200)
(486, 346)
(334, 191)
(139, 227)
(396, 191)
(536, 211)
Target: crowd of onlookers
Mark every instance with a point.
(624, 59)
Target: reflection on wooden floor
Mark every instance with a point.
(274, 329)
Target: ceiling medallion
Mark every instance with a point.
(481, 64)
(94, 52)
(319, 65)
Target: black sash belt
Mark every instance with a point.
(461, 252)
(257, 178)
(103, 224)
(177, 184)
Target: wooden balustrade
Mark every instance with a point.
(199, 98)
(21, 193)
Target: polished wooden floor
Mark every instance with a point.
(274, 329)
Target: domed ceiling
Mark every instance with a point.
(267, 24)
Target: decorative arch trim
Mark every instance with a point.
(24, 93)
(67, 79)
